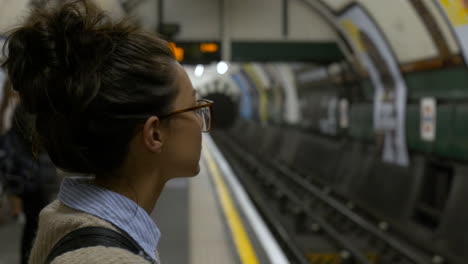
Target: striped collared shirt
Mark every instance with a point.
(79, 194)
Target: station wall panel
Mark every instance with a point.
(451, 139)
(368, 90)
(361, 125)
(198, 20)
(448, 83)
(255, 20)
(413, 129)
(444, 141)
(459, 132)
(247, 51)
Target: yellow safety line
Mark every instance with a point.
(241, 239)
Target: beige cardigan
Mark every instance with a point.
(56, 220)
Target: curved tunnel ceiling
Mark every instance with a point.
(416, 30)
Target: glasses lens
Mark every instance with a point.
(205, 116)
(206, 119)
(200, 114)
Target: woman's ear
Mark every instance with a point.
(152, 135)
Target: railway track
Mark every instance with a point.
(306, 216)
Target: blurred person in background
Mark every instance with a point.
(109, 103)
(8, 102)
(29, 178)
(10, 205)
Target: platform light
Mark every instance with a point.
(199, 70)
(222, 67)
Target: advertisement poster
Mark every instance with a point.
(389, 100)
(456, 12)
(428, 118)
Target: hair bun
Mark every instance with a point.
(79, 72)
(53, 58)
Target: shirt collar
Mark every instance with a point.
(78, 193)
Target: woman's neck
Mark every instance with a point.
(142, 189)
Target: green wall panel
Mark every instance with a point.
(413, 130)
(324, 52)
(450, 83)
(459, 135)
(361, 124)
(445, 144)
(368, 89)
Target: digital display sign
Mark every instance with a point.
(196, 52)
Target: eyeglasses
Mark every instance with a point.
(203, 109)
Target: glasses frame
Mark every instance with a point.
(208, 104)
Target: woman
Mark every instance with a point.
(109, 101)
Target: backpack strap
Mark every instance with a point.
(95, 236)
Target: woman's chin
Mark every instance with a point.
(197, 171)
(194, 171)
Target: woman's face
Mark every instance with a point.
(182, 147)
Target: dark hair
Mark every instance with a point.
(77, 71)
